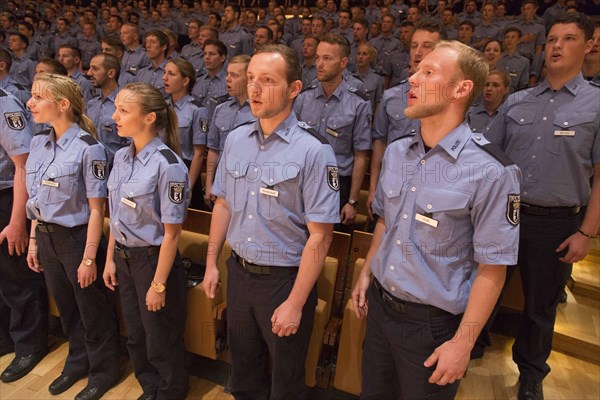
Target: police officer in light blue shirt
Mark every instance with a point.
(448, 203)
(23, 68)
(277, 188)
(157, 44)
(237, 40)
(134, 56)
(103, 72)
(7, 83)
(552, 132)
(22, 291)
(211, 88)
(67, 173)
(485, 109)
(342, 117)
(148, 198)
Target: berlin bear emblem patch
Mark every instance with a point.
(99, 169)
(333, 179)
(513, 209)
(176, 192)
(15, 120)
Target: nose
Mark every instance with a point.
(115, 116)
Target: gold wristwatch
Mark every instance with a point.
(158, 287)
(88, 261)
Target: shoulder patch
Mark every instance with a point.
(89, 139)
(196, 102)
(15, 120)
(169, 155)
(494, 150)
(312, 131)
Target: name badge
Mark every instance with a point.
(107, 128)
(332, 132)
(269, 192)
(128, 202)
(47, 182)
(512, 74)
(426, 220)
(564, 133)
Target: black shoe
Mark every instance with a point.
(147, 396)
(93, 392)
(562, 299)
(530, 390)
(63, 383)
(21, 366)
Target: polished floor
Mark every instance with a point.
(493, 377)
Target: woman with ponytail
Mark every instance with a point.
(66, 181)
(149, 192)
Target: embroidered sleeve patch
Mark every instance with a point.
(99, 169)
(513, 209)
(176, 192)
(15, 120)
(333, 179)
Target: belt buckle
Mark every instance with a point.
(393, 303)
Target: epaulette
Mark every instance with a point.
(492, 149)
(357, 92)
(19, 86)
(44, 132)
(89, 139)
(3, 93)
(169, 155)
(595, 81)
(196, 102)
(222, 99)
(402, 137)
(312, 131)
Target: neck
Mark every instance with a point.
(268, 125)
(61, 125)
(232, 25)
(241, 98)
(491, 107)
(591, 67)
(141, 140)
(133, 46)
(309, 61)
(212, 72)
(512, 51)
(558, 79)
(178, 96)
(330, 86)
(109, 88)
(364, 69)
(19, 53)
(436, 127)
(72, 71)
(157, 61)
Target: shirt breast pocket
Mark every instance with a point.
(391, 186)
(137, 200)
(61, 189)
(444, 208)
(339, 128)
(279, 197)
(573, 131)
(398, 121)
(236, 170)
(524, 129)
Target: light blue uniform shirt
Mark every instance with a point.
(554, 137)
(134, 60)
(11, 86)
(390, 122)
(343, 120)
(22, 70)
(146, 191)
(195, 55)
(227, 117)
(517, 68)
(478, 117)
(373, 86)
(193, 124)
(15, 136)
(153, 76)
(100, 110)
(300, 172)
(238, 41)
(63, 174)
(462, 189)
(211, 91)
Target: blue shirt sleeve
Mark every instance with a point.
(95, 171)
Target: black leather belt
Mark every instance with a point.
(403, 306)
(49, 227)
(254, 268)
(530, 209)
(127, 252)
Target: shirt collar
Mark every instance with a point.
(67, 138)
(284, 130)
(337, 92)
(181, 102)
(572, 86)
(111, 96)
(452, 143)
(76, 74)
(145, 155)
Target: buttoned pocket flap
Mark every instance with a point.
(390, 184)
(521, 117)
(236, 166)
(432, 200)
(569, 119)
(274, 175)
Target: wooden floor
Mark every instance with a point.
(493, 377)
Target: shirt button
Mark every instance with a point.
(249, 239)
(271, 180)
(398, 242)
(255, 169)
(390, 192)
(422, 162)
(524, 192)
(393, 289)
(249, 216)
(236, 173)
(545, 118)
(533, 156)
(116, 222)
(539, 138)
(262, 147)
(522, 120)
(405, 216)
(391, 267)
(565, 123)
(413, 189)
(252, 193)
(429, 206)
(551, 100)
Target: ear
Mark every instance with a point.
(150, 118)
(186, 81)
(64, 104)
(344, 62)
(111, 73)
(464, 89)
(294, 89)
(588, 46)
